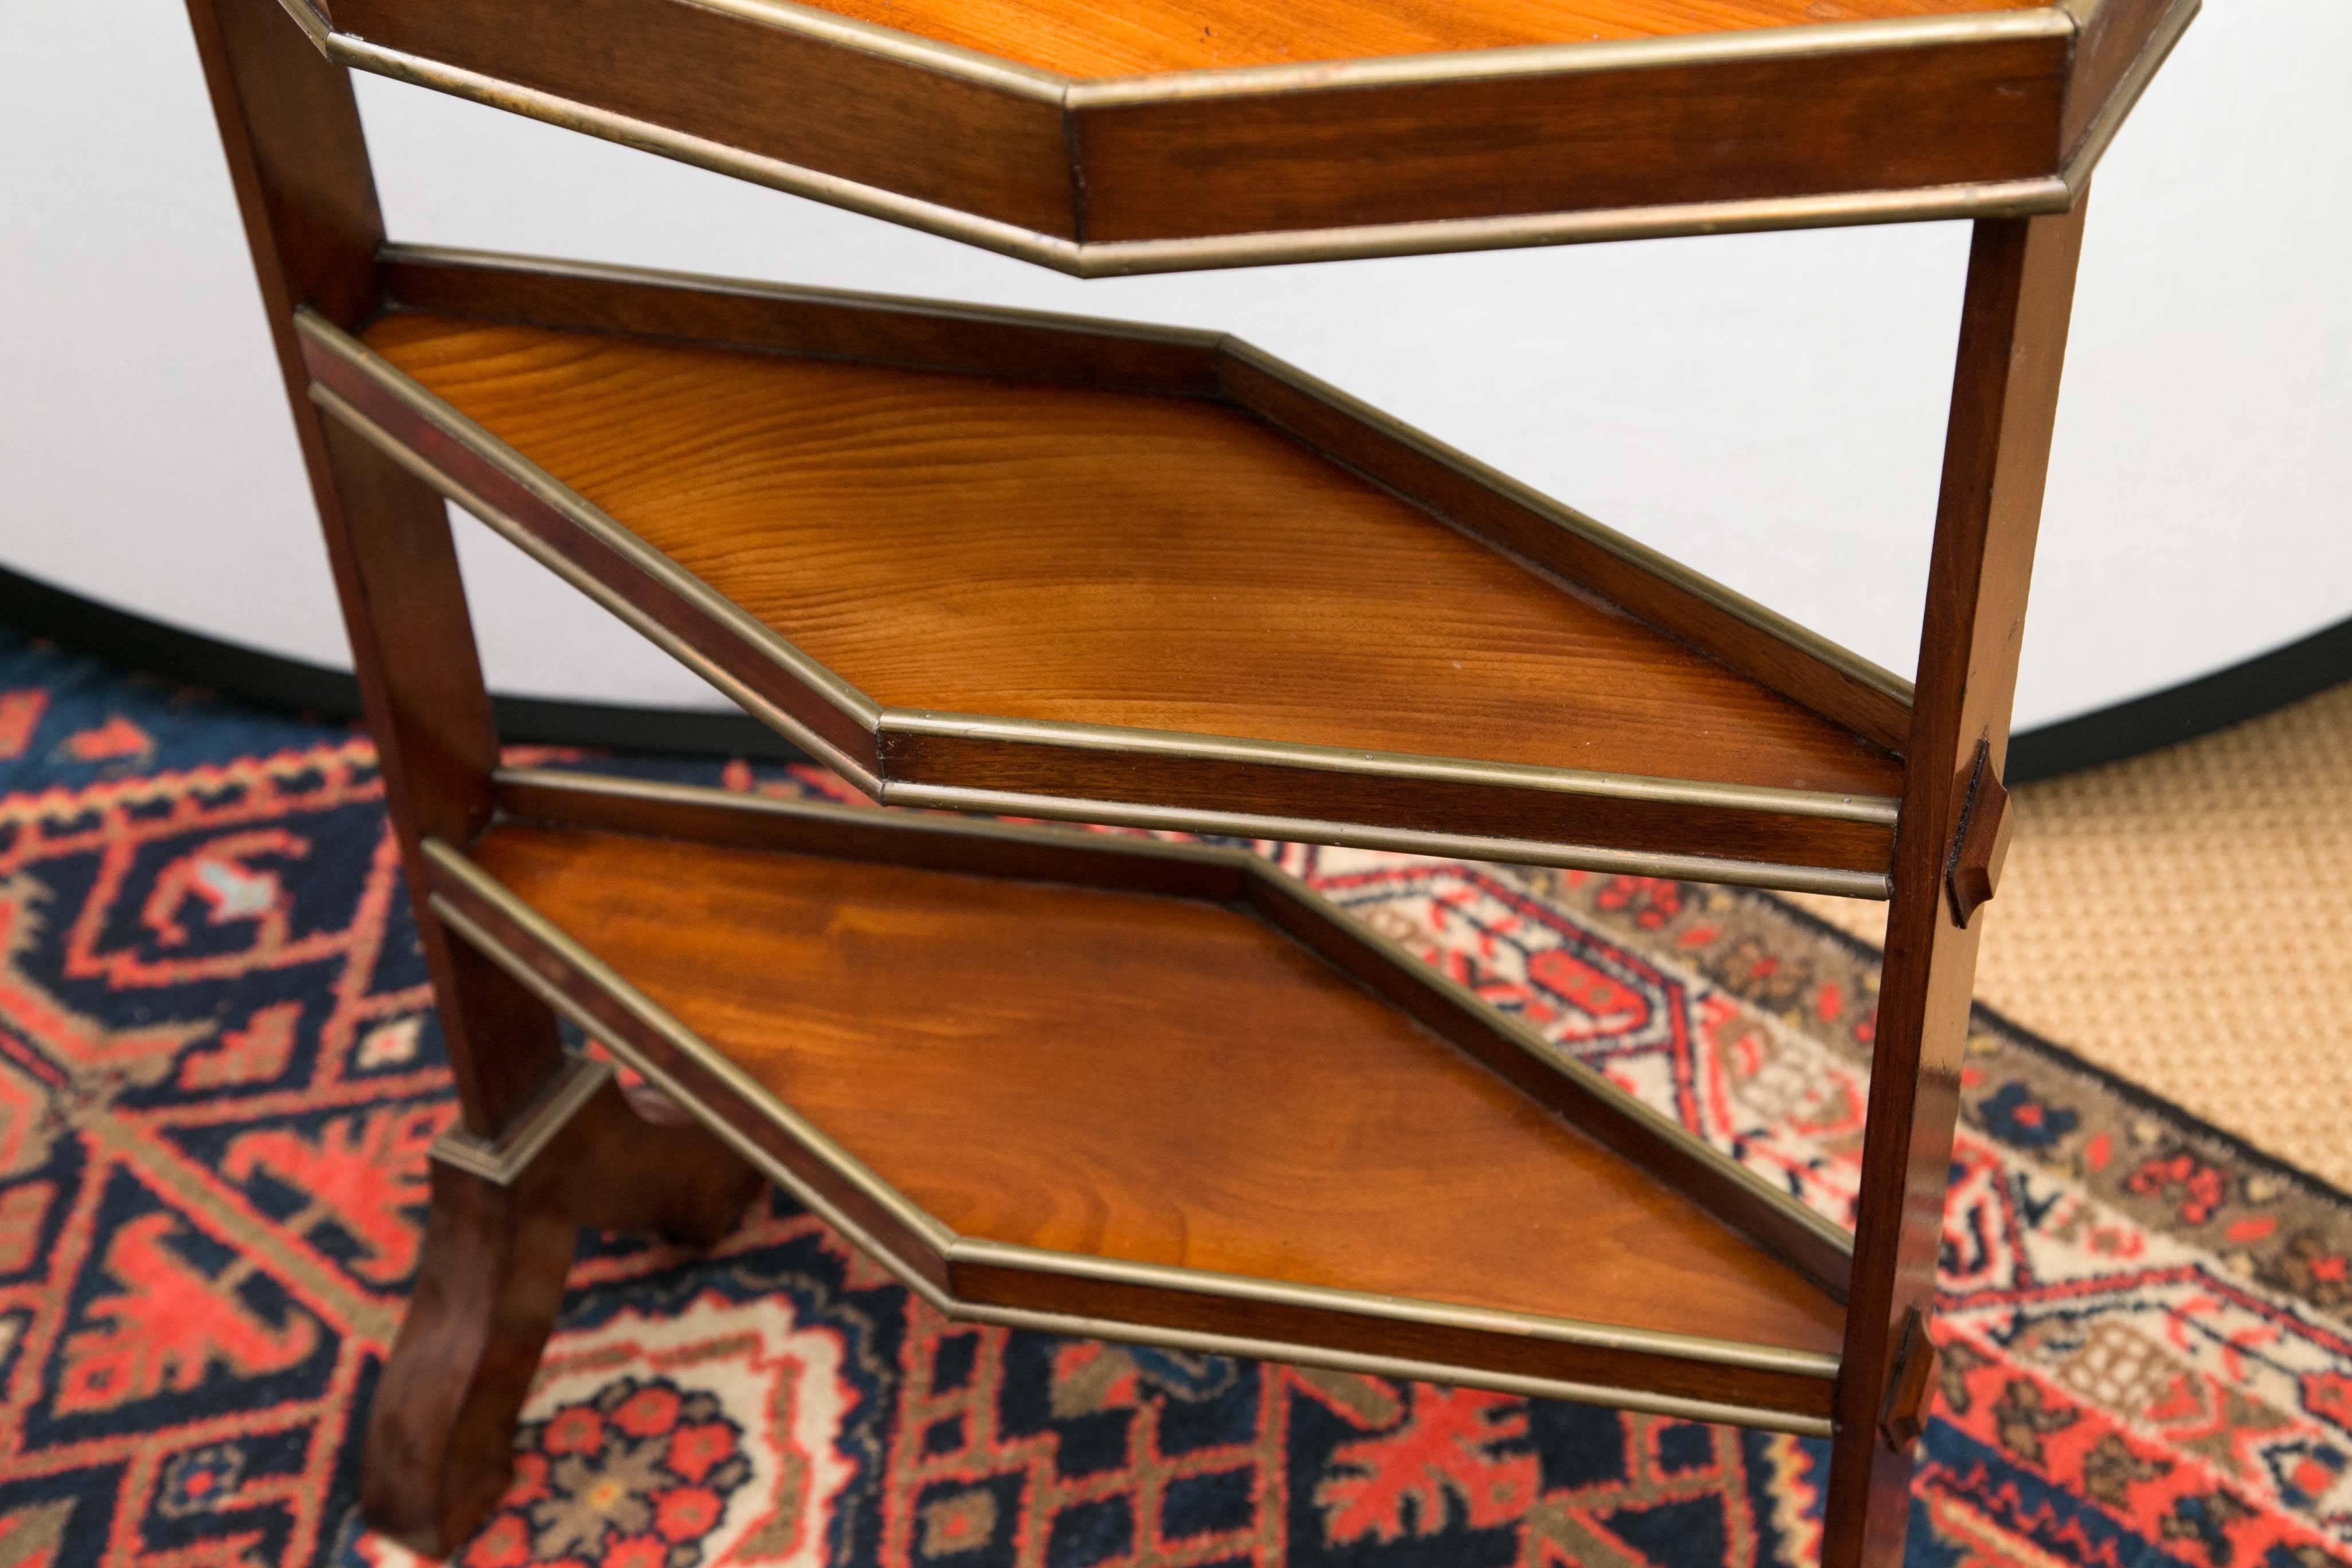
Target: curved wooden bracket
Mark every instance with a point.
(1906, 1415)
(506, 1217)
(1980, 844)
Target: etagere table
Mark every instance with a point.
(999, 561)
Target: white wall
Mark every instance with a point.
(1769, 407)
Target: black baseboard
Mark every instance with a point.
(2261, 685)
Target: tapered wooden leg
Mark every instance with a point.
(543, 1149)
(1997, 451)
(506, 1216)
(441, 1434)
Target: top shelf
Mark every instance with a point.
(1161, 135)
(1087, 42)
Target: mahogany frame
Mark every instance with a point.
(503, 1207)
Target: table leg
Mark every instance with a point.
(1997, 452)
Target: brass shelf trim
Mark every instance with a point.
(1079, 1327)
(1257, 877)
(953, 1249)
(1871, 885)
(1713, 1412)
(1240, 350)
(1878, 810)
(502, 1161)
(1116, 1270)
(871, 774)
(1136, 258)
(2007, 198)
(589, 787)
(1259, 882)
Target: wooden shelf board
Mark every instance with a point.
(1179, 134)
(1163, 1081)
(1088, 41)
(966, 545)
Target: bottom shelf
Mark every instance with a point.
(1120, 1087)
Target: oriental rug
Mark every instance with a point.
(219, 1075)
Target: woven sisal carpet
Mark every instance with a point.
(218, 1079)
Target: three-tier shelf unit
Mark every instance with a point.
(1008, 564)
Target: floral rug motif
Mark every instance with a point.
(219, 1076)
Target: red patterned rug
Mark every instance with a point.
(218, 1079)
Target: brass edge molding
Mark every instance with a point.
(1876, 810)
(1597, 1086)
(908, 212)
(594, 588)
(954, 1249)
(1802, 639)
(453, 257)
(2009, 198)
(1760, 1417)
(314, 26)
(2026, 198)
(895, 792)
(1109, 845)
(1396, 1309)
(1594, 1084)
(2101, 132)
(501, 1161)
(480, 884)
(764, 640)
(1842, 883)
(1801, 41)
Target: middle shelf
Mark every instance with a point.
(1113, 1087)
(997, 562)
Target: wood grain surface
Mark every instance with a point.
(1144, 1078)
(1026, 550)
(1137, 37)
